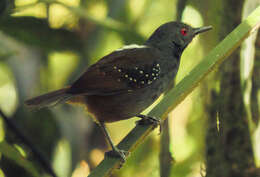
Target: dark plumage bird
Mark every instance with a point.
(125, 82)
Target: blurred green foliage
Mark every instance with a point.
(46, 44)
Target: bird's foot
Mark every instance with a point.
(118, 153)
(148, 120)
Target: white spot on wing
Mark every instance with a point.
(132, 46)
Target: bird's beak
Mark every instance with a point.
(202, 29)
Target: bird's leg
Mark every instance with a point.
(148, 120)
(115, 151)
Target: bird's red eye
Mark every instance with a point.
(184, 31)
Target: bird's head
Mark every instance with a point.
(174, 35)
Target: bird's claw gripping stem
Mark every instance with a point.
(148, 120)
(118, 153)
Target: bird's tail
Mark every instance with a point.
(49, 99)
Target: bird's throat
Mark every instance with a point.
(177, 50)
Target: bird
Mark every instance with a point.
(125, 82)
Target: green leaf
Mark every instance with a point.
(186, 86)
(13, 154)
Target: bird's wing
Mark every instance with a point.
(119, 72)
